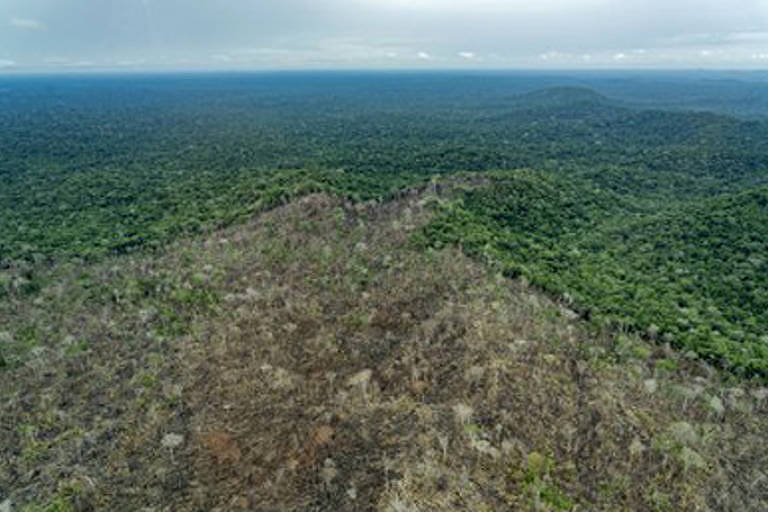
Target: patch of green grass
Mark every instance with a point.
(14, 347)
(76, 348)
(538, 487)
(63, 501)
(669, 365)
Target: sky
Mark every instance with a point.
(398, 34)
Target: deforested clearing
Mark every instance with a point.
(316, 357)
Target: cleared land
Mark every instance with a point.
(314, 358)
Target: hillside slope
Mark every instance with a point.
(692, 274)
(314, 358)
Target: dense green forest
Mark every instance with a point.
(645, 217)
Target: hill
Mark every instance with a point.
(313, 358)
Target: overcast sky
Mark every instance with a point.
(257, 34)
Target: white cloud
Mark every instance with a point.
(6, 63)
(553, 55)
(332, 52)
(467, 55)
(557, 58)
(27, 24)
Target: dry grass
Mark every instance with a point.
(314, 360)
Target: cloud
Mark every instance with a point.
(557, 57)
(330, 52)
(6, 63)
(27, 24)
(387, 33)
(553, 55)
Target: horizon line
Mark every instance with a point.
(409, 70)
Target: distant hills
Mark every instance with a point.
(560, 97)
